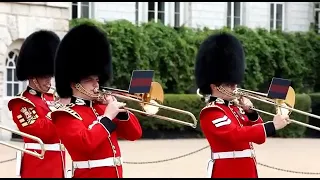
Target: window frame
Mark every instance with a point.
(21, 85)
(156, 12)
(317, 21)
(137, 9)
(274, 25)
(180, 13)
(232, 25)
(79, 6)
(169, 13)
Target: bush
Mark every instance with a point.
(171, 53)
(315, 98)
(192, 103)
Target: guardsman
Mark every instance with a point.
(31, 108)
(229, 129)
(91, 124)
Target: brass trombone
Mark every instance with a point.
(150, 103)
(282, 106)
(32, 153)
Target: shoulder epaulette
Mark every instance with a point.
(20, 98)
(67, 110)
(54, 105)
(212, 105)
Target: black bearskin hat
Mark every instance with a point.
(220, 59)
(84, 51)
(36, 57)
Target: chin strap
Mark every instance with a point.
(36, 83)
(225, 92)
(98, 95)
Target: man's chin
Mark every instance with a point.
(95, 92)
(92, 95)
(230, 98)
(46, 89)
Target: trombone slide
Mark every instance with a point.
(292, 120)
(281, 106)
(32, 153)
(274, 102)
(263, 98)
(149, 103)
(193, 125)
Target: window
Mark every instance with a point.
(81, 10)
(276, 16)
(168, 13)
(317, 17)
(156, 11)
(13, 86)
(137, 12)
(176, 14)
(234, 14)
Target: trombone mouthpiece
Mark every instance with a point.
(237, 93)
(96, 90)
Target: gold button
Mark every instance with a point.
(114, 151)
(113, 147)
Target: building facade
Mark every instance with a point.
(288, 16)
(19, 19)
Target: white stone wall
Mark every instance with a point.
(109, 11)
(17, 21)
(208, 14)
(257, 14)
(297, 15)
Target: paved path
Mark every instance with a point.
(292, 154)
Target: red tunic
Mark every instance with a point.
(87, 138)
(37, 124)
(228, 128)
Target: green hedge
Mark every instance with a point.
(171, 53)
(315, 98)
(193, 104)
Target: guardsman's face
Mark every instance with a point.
(44, 83)
(90, 83)
(230, 88)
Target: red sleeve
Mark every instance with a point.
(76, 135)
(30, 121)
(215, 122)
(128, 126)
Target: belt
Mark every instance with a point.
(233, 154)
(111, 161)
(47, 147)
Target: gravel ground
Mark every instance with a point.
(291, 154)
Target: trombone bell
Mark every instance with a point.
(282, 106)
(151, 103)
(154, 96)
(288, 102)
(150, 109)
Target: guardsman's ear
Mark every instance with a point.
(73, 85)
(212, 86)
